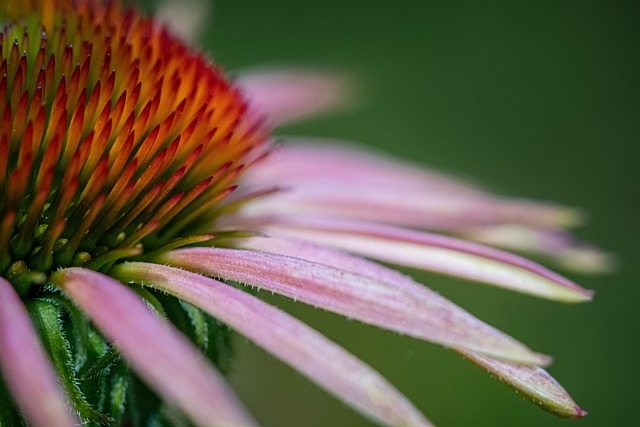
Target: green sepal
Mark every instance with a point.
(118, 392)
(103, 363)
(80, 329)
(150, 299)
(46, 318)
(199, 324)
(220, 350)
(143, 404)
(174, 312)
(188, 319)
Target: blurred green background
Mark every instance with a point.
(537, 99)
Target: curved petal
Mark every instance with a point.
(286, 96)
(28, 374)
(366, 299)
(156, 351)
(551, 243)
(534, 383)
(400, 205)
(287, 338)
(318, 158)
(431, 252)
(347, 182)
(333, 258)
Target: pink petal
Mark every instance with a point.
(366, 299)
(333, 258)
(345, 182)
(404, 206)
(286, 96)
(341, 160)
(186, 18)
(156, 351)
(286, 337)
(534, 383)
(430, 252)
(551, 243)
(28, 374)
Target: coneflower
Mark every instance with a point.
(128, 227)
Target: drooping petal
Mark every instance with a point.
(331, 257)
(399, 205)
(432, 252)
(356, 296)
(534, 383)
(156, 351)
(287, 338)
(345, 182)
(316, 159)
(27, 373)
(550, 243)
(286, 96)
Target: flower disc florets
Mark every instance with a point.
(110, 128)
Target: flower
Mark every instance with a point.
(141, 191)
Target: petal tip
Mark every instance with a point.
(579, 296)
(579, 412)
(564, 411)
(294, 93)
(571, 217)
(588, 295)
(544, 360)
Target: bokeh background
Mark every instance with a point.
(538, 99)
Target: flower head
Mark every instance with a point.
(138, 185)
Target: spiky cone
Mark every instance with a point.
(114, 137)
(114, 133)
(119, 146)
